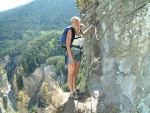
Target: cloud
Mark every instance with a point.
(9, 4)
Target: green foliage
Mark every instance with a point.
(45, 94)
(65, 87)
(2, 70)
(21, 25)
(22, 103)
(20, 82)
(33, 109)
(14, 47)
(58, 62)
(39, 50)
(61, 71)
(81, 79)
(79, 2)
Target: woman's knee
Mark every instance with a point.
(70, 74)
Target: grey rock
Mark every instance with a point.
(0, 110)
(5, 102)
(117, 51)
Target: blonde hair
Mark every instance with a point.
(75, 17)
(81, 25)
(79, 20)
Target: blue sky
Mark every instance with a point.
(9, 4)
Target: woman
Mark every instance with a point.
(73, 60)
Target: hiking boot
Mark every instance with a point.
(74, 96)
(79, 92)
(71, 95)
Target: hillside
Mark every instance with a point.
(117, 65)
(22, 24)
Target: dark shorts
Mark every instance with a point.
(77, 58)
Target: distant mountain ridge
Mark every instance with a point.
(32, 18)
(39, 14)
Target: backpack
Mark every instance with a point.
(64, 36)
(63, 40)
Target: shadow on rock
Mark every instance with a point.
(69, 106)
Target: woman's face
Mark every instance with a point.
(75, 23)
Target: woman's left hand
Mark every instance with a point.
(91, 27)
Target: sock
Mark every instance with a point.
(71, 92)
(74, 90)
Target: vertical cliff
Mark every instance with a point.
(118, 54)
(5, 102)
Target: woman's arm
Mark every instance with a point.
(87, 30)
(68, 43)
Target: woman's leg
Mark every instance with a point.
(75, 74)
(71, 72)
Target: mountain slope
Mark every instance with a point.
(37, 15)
(28, 20)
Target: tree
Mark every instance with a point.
(22, 103)
(45, 94)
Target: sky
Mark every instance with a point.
(9, 4)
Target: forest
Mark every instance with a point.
(23, 24)
(31, 33)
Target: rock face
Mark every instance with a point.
(118, 55)
(118, 61)
(32, 84)
(5, 104)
